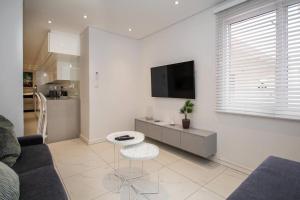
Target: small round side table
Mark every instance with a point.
(138, 138)
(141, 152)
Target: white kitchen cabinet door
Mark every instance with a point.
(64, 43)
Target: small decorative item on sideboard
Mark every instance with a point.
(186, 109)
(149, 113)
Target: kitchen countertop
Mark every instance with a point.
(62, 98)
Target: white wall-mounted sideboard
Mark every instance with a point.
(196, 141)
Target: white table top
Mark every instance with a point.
(138, 138)
(142, 151)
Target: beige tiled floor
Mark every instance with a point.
(30, 123)
(87, 173)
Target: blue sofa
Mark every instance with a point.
(274, 179)
(38, 178)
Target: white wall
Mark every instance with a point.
(84, 84)
(113, 101)
(123, 91)
(11, 62)
(242, 140)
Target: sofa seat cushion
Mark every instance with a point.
(33, 157)
(274, 179)
(41, 184)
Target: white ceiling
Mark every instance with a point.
(143, 16)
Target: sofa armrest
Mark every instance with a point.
(30, 140)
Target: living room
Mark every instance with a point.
(243, 97)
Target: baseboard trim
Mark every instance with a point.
(232, 165)
(93, 141)
(84, 139)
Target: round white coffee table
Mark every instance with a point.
(138, 138)
(143, 151)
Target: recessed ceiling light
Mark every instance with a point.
(130, 29)
(84, 16)
(49, 21)
(176, 2)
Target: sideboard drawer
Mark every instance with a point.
(155, 132)
(171, 137)
(192, 143)
(142, 127)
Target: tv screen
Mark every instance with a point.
(174, 81)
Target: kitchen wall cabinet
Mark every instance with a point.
(58, 58)
(59, 68)
(64, 43)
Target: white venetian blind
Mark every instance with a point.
(259, 59)
(293, 99)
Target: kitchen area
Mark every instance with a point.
(57, 81)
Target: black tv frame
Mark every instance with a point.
(154, 94)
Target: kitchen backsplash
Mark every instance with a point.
(72, 87)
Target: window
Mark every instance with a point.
(259, 59)
(293, 98)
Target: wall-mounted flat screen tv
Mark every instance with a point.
(174, 81)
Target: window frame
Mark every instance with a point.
(281, 98)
